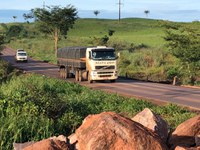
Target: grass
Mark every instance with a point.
(132, 30)
(131, 34)
(33, 107)
(136, 31)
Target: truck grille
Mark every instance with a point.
(105, 76)
(104, 72)
(104, 67)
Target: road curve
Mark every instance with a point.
(159, 93)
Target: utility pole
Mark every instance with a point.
(119, 9)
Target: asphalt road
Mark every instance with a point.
(158, 93)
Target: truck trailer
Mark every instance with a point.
(88, 63)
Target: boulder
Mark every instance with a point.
(185, 133)
(111, 131)
(197, 140)
(20, 146)
(48, 144)
(60, 138)
(187, 148)
(153, 122)
(73, 141)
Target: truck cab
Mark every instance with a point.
(101, 63)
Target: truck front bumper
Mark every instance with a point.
(104, 75)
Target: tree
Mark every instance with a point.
(147, 12)
(55, 21)
(96, 12)
(184, 43)
(2, 41)
(29, 15)
(14, 17)
(15, 31)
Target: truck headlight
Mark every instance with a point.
(94, 73)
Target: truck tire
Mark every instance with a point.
(80, 76)
(77, 75)
(60, 72)
(88, 77)
(67, 72)
(112, 81)
(64, 73)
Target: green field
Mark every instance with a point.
(144, 54)
(35, 107)
(128, 31)
(131, 30)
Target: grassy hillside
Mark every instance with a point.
(131, 30)
(141, 43)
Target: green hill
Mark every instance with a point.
(132, 30)
(140, 42)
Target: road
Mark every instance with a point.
(157, 93)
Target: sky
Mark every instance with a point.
(173, 10)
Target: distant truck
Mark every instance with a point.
(21, 55)
(88, 63)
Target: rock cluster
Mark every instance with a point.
(111, 131)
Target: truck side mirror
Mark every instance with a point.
(89, 55)
(118, 55)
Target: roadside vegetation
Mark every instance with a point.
(33, 107)
(144, 46)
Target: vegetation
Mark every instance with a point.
(55, 21)
(184, 43)
(34, 107)
(147, 12)
(142, 44)
(96, 12)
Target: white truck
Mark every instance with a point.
(21, 55)
(88, 63)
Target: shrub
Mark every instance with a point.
(34, 107)
(16, 31)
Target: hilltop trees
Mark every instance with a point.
(55, 21)
(96, 12)
(14, 17)
(184, 43)
(147, 12)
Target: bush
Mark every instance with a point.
(34, 107)
(16, 31)
(7, 71)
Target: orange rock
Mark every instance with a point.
(153, 122)
(185, 133)
(186, 148)
(110, 131)
(48, 144)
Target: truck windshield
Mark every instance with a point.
(103, 55)
(21, 54)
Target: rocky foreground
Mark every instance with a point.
(111, 131)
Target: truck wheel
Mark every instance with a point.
(67, 72)
(64, 74)
(89, 79)
(80, 75)
(77, 75)
(60, 72)
(112, 81)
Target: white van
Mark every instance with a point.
(21, 55)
